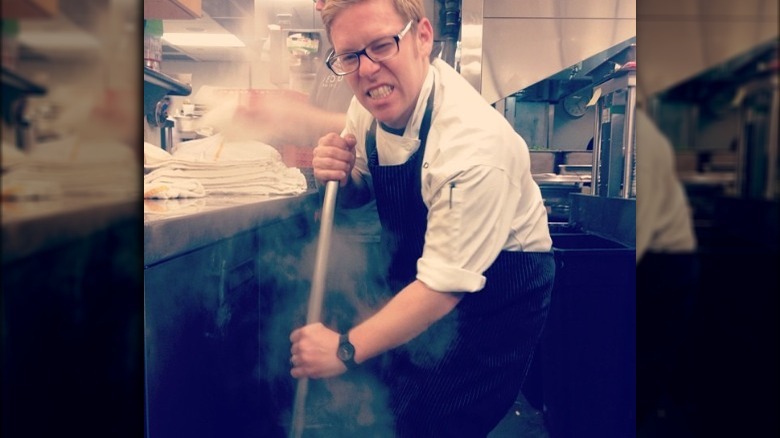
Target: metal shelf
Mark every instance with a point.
(16, 87)
(19, 84)
(164, 83)
(158, 85)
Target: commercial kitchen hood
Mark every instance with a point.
(507, 45)
(681, 39)
(583, 75)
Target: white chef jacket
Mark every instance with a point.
(663, 217)
(476, 181)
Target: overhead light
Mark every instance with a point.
(203, 39)
(59, 40)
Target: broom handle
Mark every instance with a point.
(316, 297)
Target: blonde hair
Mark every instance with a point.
(407, 9)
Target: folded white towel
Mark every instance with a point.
(16, 187)
(215, 149)
(11, 156)
(268, 179)
(69, 166)
(173, 206)
(155, 155)
(172, 186)
(224, 168)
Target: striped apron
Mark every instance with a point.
(462, 375)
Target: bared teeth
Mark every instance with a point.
(380, 92)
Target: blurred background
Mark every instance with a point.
(709, 81)
(75, 115)
(72, 297)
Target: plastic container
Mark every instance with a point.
(10, 52)
(153, 31)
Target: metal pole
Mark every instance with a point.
(772, 145)
(316, 297)
(595, 172)
(629, 155)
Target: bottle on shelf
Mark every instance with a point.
(153, 31)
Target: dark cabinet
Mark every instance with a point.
(214, 335)
(588, 349)
(72, 327)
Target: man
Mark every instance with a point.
(471, 262)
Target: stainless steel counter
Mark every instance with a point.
(30, 227)
(173, 227)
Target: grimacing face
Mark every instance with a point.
(388, 89)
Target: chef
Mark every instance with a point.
(471, 263)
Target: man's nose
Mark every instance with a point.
(367, 66)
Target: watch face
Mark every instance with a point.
(346, 351)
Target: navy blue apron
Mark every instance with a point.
(462, 375)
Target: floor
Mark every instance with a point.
(522, 421)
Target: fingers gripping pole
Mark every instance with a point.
(314, 312)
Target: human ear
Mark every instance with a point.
(425, 36)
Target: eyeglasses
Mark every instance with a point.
(380, 50)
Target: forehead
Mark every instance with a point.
(364, 22)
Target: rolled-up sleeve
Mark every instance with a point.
(447, 278)
(469, 219)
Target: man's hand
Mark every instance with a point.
(334, 158)
(313, 352)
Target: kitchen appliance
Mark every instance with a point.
(556, 189)
(296, 51)
(16, 90)
(158, 128)
(614, 154)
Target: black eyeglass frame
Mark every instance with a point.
(333, 57)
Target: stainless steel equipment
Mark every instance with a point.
(757, 149)
(296, 51)
(16, 89)
(614, 154)
(157, 88)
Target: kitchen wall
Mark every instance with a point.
(515, 35)
(531, 121)
(571, 133)
(250, 67)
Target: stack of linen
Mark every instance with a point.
(69, 167)
(213, 166)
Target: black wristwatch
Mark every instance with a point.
(346, 351)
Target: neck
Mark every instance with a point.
(395, 131)
(402, 125)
